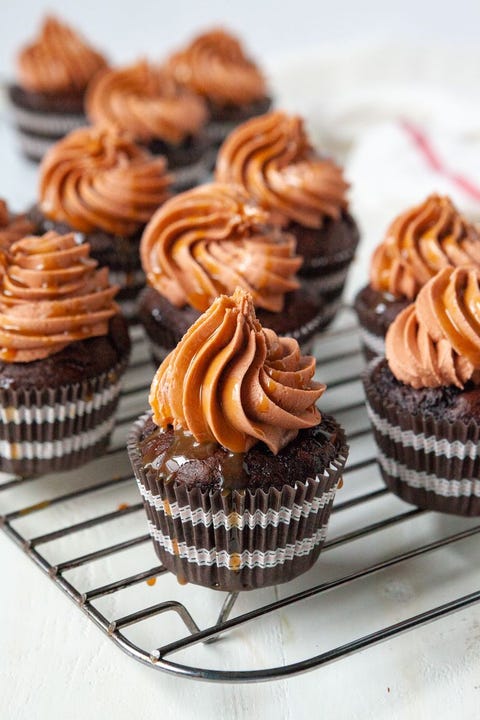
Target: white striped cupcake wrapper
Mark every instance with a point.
(374, 345)
(434, 464)
(56, 429)
(237, 540)
(51, 124)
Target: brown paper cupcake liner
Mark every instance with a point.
(429, 462)
(241, 539)
(56, 429)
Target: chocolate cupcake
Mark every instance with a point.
(420, 242)
(53, 73)
(424, 398)
(207, 241)
(236, 466)
(215, 66)
(272, 158)
(63, 349)
(146, 101)
(100, 184)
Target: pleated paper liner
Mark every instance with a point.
(237, 539)
(56, 429)
(431, 463)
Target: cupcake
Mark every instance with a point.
(271, 157)
(63, 349)
(53, 73)
(424, 397)
(206, 242)
(236, 466)
(215, 66)
(100, 184)
(420, 242)
(145, 101)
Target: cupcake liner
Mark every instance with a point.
(131, 283)
(217, 131)
(51, 429)
(238, 539)
(372, 345)
(51, 124)
(34, 147)
(184, 178)
(429, 462)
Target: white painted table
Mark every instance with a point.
(55, 664)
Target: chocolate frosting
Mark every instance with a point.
(436, 340)
(98, 178)
(211, 239)
(214, 65)
(272, 158)
(51, 295)
(419, 243)
(58, 60)
(232, 382)
(146, 102)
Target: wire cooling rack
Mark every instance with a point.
(386, 567)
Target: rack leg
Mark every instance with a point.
(224, 614)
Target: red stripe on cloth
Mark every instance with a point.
(435, 163)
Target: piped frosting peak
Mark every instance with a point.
(232, 382)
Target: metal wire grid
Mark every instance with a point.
(339, 356)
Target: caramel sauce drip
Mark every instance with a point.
(272, 158)
(184, 449)
(209, 240)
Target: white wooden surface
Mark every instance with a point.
(55, 664)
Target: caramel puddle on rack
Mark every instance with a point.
(151, 581)
(123, 506)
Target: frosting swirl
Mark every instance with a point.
(272, 158)
(233, 382)
(58, 61)
(97, 178)
(51, 295)
(146, 102)
(435, 341)
(419, 243)
(12, 227)
(214, 65)
(211, 239)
